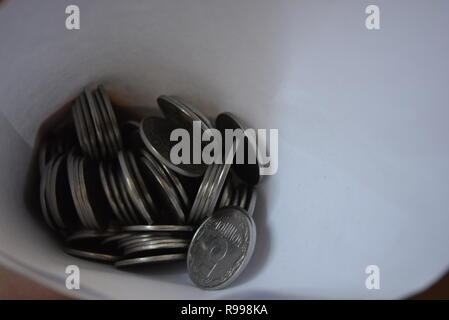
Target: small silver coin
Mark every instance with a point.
(155, 133)
(87, 209)
(62, 205)
(146, 228)
(133, 189)
(250, 172)
(220, 179)
(109, 194)
(139, 239)
(88, 122)
(156, 245)
(225, 194)
(115, 238)
(74, 188)
(97, 124)
(81, 128)
(96, 256)
(206, 199)
(178, 186)
(150, 260)
(82, 235)
(106, 125)
(117, 195)
(221, 248)
(112, 117)
(251, 201)
(51, 193)
(167, 191)
(141, 184)
(133, 213)
(42, 197)
(181, 113)
(243, 196)
(236, 197)
(195, 211)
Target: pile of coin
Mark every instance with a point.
(108, 187)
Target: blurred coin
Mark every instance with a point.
(111, 115)
(81, 128)
(155, 133)
(95, 117)
(110, 194)
(176, 110)
(248, 172)
(42, 197)
(150, 260)
(132, 188)
(167, 193)
(90, 255)
(88, 123)
(156, 245)
(106, 124)
(251, 201)
(145, 228)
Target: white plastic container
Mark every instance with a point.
(362, 116)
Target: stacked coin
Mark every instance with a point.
(108, 187)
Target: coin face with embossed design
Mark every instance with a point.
(221, 248)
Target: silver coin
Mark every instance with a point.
(96, 256)
(251, 202)
(82, 235)
(42, 197)
(150, 260)
(200, 215)
(51, 193)
(220, 179)
(88, 122)
(175, 110)
(155, 133)
(248, 172)
(113, 184)
(133, 213)
(178, 186)
(183, 107)
(81, 128)
(59, 209)
(235, 197)
(144, 239)
(90, 190)
(74, 188)
(167, 245)
(107, 124)
(225, 194)
(114, 238)
(111, 113)
(142, 185)
(92, 108)
(87, 210)
(221, 248)
(162, 181)
(243, 196)
(109, 194)
(132, 188)
(146, 228)
(200, 195)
